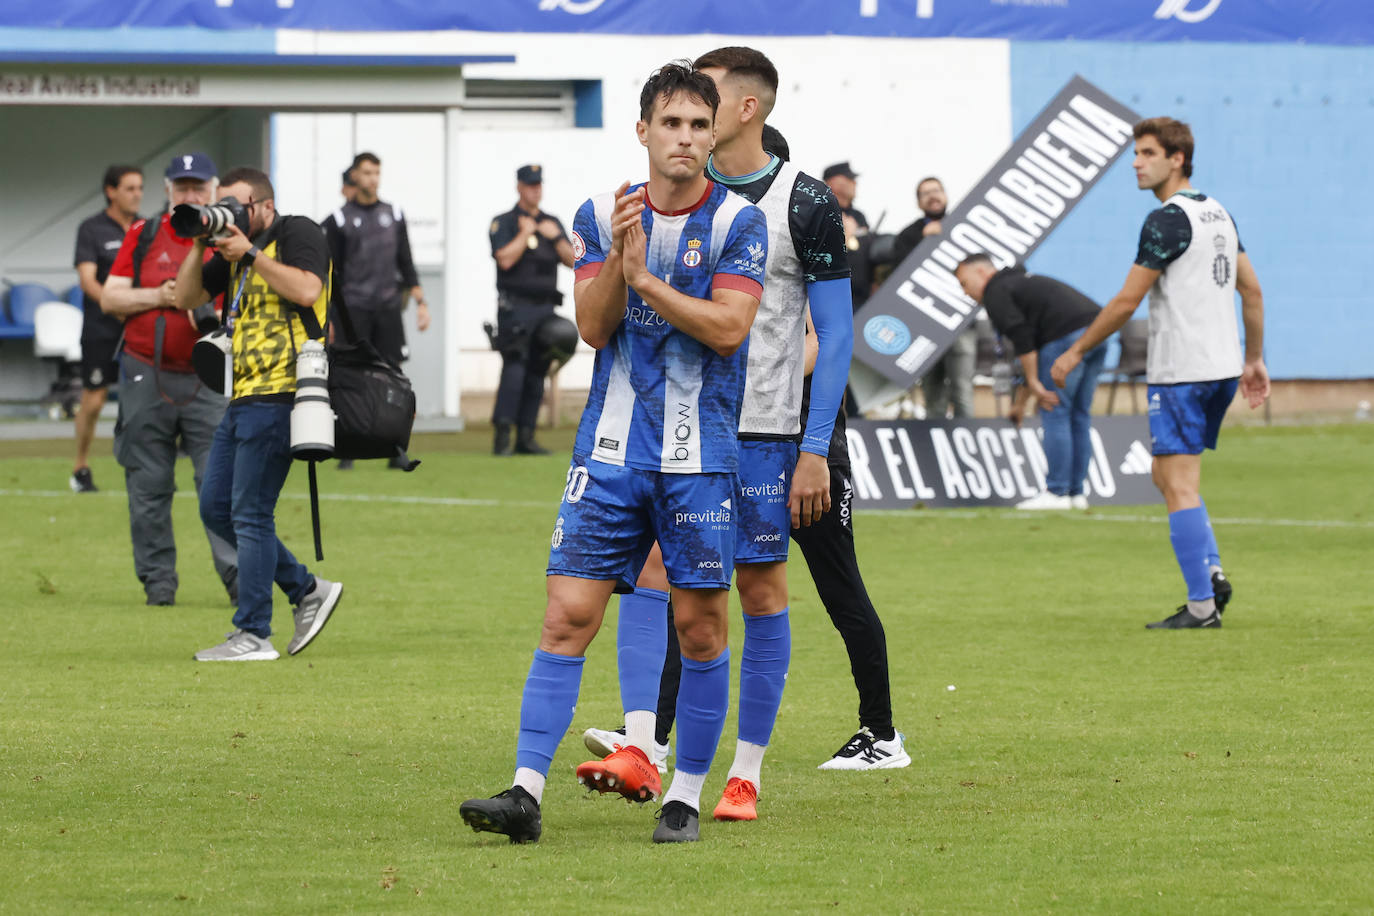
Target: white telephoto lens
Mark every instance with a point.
(312, 418)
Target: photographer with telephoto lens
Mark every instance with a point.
(163, 407)
(275, 274)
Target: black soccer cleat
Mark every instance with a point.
(1182, 619)
(1221, 591)
(513, 812)
(677, 823)
(82, 482)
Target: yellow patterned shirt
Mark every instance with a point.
(268, 330)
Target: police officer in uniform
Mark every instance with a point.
(528, 245)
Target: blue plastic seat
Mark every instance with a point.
(25, 298)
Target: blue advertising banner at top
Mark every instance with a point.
(1344, 22)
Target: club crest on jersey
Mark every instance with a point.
(692, 256)
(579, 247)
(1221, 264)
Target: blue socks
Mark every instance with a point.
(762, 674)
(702, 701)
(641, 639)
(1191, 534)
(1213, 553)
(546, 708)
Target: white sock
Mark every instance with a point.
(532, 781)
(639, 730)
(1213, 570)
(686, 788)
(1202, 609)
(748, 761)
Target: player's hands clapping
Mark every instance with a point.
(627, 212)
(635, 254)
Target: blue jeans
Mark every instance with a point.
(249, 460)
(1068, 427)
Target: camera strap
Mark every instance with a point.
(300, 312)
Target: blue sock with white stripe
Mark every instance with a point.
(1213, 552)
(546, 708)
(702, 702)
(641, 639)
(1188, 531)
(762, 674)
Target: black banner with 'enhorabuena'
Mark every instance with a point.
(913, 317)
(899, 464)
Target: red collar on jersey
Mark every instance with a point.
(710, 186)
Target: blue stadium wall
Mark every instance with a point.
(1284, 135)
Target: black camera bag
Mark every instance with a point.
(373, 403)
(372, 400)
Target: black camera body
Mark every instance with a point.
(196, 221)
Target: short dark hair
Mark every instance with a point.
(747, 62)
(1174, 136)
(774, 142)
(929, 178)
(978, 257)
(370, 158)
(348, 180)
(115, 174)
(254, 178)
(672, 78)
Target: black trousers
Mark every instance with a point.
(383, 327)
(828, 548)
(523, 364)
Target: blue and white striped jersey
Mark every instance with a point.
(661, 400)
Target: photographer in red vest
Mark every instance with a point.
(163, 406)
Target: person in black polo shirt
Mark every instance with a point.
(1042, 317)
(97, 244)
(374, 272)
(528, 245)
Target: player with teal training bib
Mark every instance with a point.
(1192, 264)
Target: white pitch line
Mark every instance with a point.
(325, 497)
(993, 513)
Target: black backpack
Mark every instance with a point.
(372, 400)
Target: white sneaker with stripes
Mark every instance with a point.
(865, 752)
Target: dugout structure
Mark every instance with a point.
(66, 115)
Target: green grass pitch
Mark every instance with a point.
(1080, 764)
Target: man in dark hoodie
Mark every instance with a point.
(1042, 317)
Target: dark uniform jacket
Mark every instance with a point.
(533, 278)
(370, 248)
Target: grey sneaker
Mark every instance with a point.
(313, 613)
(240, 646)
(677, 823)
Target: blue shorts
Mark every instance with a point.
(1185, 418)
(610, 517)
(765, 477)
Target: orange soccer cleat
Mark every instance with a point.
(625, 771)
(739, 802)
